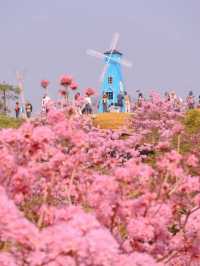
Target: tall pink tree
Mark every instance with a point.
(65, 82)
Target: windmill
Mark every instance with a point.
(111, 78)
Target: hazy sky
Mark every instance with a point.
(49, 37)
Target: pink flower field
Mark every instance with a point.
(73, 194)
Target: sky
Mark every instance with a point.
(48, 38)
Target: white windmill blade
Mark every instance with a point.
(126, 63)
(95, 53)
(114, 41)
(103, 72)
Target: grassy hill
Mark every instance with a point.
(10, 122)
(103, 120)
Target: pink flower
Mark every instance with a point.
(163, 146)
(55, 116)
(177, 129)
(6, 259)
(44, 83)
(192, 161)
(74, 85)
(140, 229)
(63, 93)
(136, 259)
(19, 197)
(42, 134)
(89, 91)
(65, 80)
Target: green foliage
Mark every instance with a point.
(9, 122)
(9, 88)
(192, 121)
(7, 93)
(186, 145)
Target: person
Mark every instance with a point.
(105, 102)
(140, 100)
(120, 101)
(17, 109)
(87, 109)
(45, 101)
(22, 111)
(198, 105)
(190, 100)
(127, 103)
(77, 102)
(173, 99)
(80, 103)
(111, 108)
(177, 104)
(29, 109)
(167, 96)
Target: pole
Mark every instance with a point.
(4, 101)
(46, 91)
(21, 88)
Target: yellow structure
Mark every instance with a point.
(111, 120)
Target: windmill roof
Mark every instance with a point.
(113, 52)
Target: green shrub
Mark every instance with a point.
(192, 121)
(10, 122)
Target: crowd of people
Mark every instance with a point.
(123, 103)
(19, 110)
(85, 104)
(178, 103)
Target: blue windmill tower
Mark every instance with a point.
(112, 83)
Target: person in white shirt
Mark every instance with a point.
(45, 101)
(127, 103)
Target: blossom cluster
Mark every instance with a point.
(73, 194)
